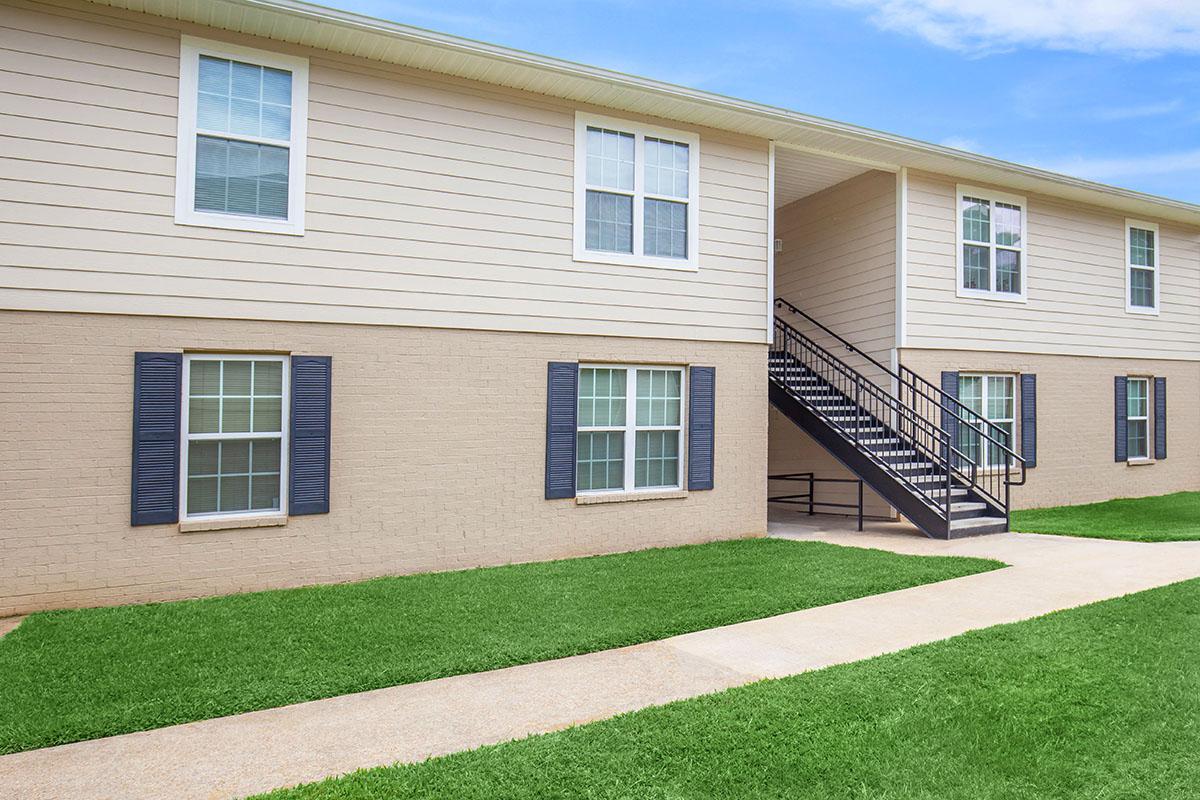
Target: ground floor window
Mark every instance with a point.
(1137, 429)
(234, 449)
(991, 398)
(630, 428)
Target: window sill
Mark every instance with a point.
(625, 260)
(1142, 310)
(230, 523)
(1000, 297)
(236, 222)
(1139, 462)
(629, 497)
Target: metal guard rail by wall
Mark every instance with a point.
(913, 413)
(809, 498)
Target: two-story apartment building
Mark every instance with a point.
(291, 295)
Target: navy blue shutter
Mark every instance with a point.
(1029, 419)
(157, 387)
(1160, 418)
(1121, 419)
(308, 467)
(702, 385)
(562, 401)
(950, 411)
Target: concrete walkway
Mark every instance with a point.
(240, 755)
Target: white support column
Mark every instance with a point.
(770, 242)
(901, 258)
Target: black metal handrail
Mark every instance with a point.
(956, 409)
(779, 301)
(927, 398)
(930, 467)
(914, 419)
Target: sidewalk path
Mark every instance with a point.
(240, 755)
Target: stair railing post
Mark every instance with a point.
(949, 456)
(812, 487)
(857, 405)
(860, 506)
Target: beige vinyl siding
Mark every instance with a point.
(430, 201)
(1075, 270)
(839, 265)
(839, 261)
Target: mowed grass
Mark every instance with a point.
(1164, 518)
(1097, 702)
(72, 675)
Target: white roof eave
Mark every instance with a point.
(353, 34)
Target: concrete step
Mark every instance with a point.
(933, 479)
(916, 467)
(924, 480)
(893, 456)
(968, 510)
(825, 402)
(956, 494)
(976, 526)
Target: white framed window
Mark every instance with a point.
(240, 155)
(991, 244)
(1141, 273)
(992, 398)
(1137, 418)
(630, 428)
(234, 423)
(637, 194)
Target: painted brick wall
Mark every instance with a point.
(438, 448)
(1075, 423)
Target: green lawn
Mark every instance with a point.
(1097, 702)
(1165, 518)
(72, 675)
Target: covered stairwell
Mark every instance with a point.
(916, 446)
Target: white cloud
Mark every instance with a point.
(1120, 113)
(1110, 170)
(960, 143)
(1137, 27)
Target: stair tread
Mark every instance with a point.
(975, 522)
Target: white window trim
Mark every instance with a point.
(640, 132)
(630, 429)
(191, 48)
(993, 196)
(984, 444)
(185, 437)
(1130, 308)
(1149, 381)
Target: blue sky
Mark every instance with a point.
(1103, 89)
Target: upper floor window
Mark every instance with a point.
(242, 134)
(636, 194)
(991, 245)
(1141, 258)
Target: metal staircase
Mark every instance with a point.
(945, 468)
